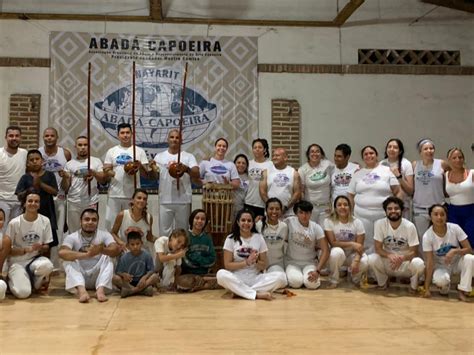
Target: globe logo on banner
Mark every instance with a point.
(157, 108)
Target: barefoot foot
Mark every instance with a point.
(84, 297)
(264, 296)
(100, 294)
(462, 296)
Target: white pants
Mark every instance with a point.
(167, 276)
(421, 219)
(247, 287)
(74, 211)
(174, 216)
(319, 214)
(368, 219)
(382, 269)
(12, 209)
(278, 268)
(337, 259)
(19, 280)
(298, 276)
(99, 276)
(114, 206)
(465, 266)
(3, 289)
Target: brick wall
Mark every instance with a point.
(25, 113)
(286, 125)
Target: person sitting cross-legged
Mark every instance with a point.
(135, 269)
(87, 254)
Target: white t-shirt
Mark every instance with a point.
(341, 178)
(317, 182)
(78, 191)
(24, 234)
(280, 183)
(128, 221)
(371, 187)
(242, 251)
(276, 238)
(12, 168)
(302, 242)
(77, 242)
(161, 246)
(55, 163)
(396, 241)
(255, 176)
(169, 193)
(406, 170)
(214, 170)
(345, 232)
(121, 185)
(440, 246)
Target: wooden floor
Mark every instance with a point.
(338, 321)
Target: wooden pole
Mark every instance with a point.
(183, 92)
(133, 125)
(89, 70)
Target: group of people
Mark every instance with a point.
(383, 219)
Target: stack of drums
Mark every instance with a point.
(218, 202)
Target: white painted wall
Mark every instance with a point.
(370, 109)
(357, 109)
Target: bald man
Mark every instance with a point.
(175, 205)
(281, 181)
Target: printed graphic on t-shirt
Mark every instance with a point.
(424, 176)
(123, 159)
(342, 179)
(371, 178)
(272, 239)
(219, 169)
(255, 174)
(81, 172)
(244, 252)
(85, 245)
(31, 238)
(52, 165)
(281, 180)
(244, 184)
(137, 268)
(345, 235)
(302, 240)
(395, 244)
(318, 175)
(444, 249)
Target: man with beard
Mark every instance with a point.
(12, 167)
(76, 178)
(396, 247)
(175, 205)
(87, 254)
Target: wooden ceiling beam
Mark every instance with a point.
(156, 10)
(72, 17)
(171, 20)
(453, 4)
(242, 22)
(347, 12)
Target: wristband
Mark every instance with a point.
(399, 177)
